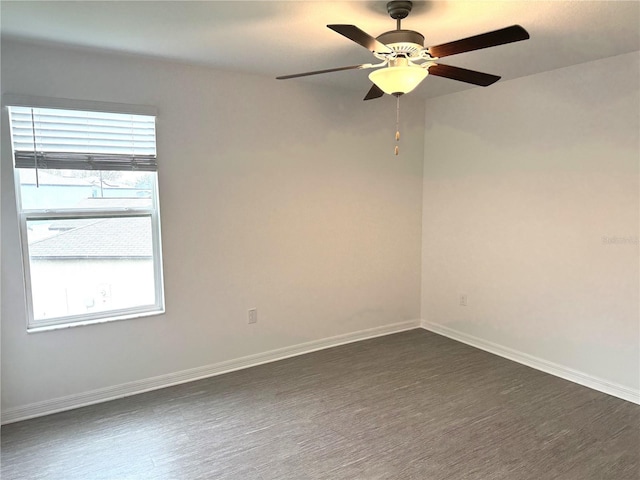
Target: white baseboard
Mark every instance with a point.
(70, 402)
(561, 371)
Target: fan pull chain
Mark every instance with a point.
(397, 149)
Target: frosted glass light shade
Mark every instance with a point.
(398, 79)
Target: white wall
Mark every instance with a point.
(526, 184)
(285, 196)
(278, 195)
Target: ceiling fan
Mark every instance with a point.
(406, 59)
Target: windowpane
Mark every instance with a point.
(81, 266)
(57, 189)
(86, 184)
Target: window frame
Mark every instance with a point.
(25, 215)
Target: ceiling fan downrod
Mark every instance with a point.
(405, 43)
(398, 10)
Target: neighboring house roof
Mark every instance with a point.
(128, 237)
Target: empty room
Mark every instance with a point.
(264, 240)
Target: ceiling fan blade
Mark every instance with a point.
(317, 72)
(374, 92)
(463, 75)
(362, 38)
(514, 33)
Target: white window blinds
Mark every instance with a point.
(82, 140)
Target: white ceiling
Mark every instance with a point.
(282, 37)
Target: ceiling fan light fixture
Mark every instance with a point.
(398, 80)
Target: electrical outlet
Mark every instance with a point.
(253, 315)
(463, 300)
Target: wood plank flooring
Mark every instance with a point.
(413, 405)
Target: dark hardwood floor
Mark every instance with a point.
(413, 405)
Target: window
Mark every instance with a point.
(87, 197)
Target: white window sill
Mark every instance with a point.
(84, 323)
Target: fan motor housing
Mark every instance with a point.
(403, 41)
